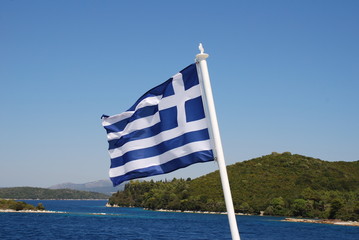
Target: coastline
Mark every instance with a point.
(179, 211)
(53, 212)
(303, 220)
(323, 221)
(201, 212)
(318, 221)
(52, 199)
(28, 211)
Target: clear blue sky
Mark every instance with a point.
(285, 77)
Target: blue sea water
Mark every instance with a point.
(92, 220)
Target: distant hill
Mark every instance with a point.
(277, 184)
(44, 193)
(101, 186)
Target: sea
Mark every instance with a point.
(91, 219)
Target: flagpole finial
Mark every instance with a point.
(200, 47)
(201, 56)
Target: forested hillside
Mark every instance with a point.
(44, 193)
(277, 184)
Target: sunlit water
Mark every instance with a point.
(92, 220)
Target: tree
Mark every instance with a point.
(299, 207)
(245, 208)
(40, 206)
(277, 207)
(335, 206)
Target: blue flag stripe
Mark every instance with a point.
(181, 162)
(156, 91)
(140, 113)
(160, 148)
(190, 77)
(136, 135)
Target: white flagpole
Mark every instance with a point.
(219, 155)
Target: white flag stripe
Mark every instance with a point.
(149, 101)
(155, 140)
(116, 118)
(161, 159)
(136, 125)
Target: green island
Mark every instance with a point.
(44, 193)
(19, 206)
(277, 184)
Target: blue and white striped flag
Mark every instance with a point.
(166, 129)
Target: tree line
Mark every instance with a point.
(44, 193)
(175, 195)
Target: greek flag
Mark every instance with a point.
(166, 129)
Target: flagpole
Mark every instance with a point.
(219, 155)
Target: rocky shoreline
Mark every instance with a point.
(323, 221)
(29, 211)
(178, 211)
